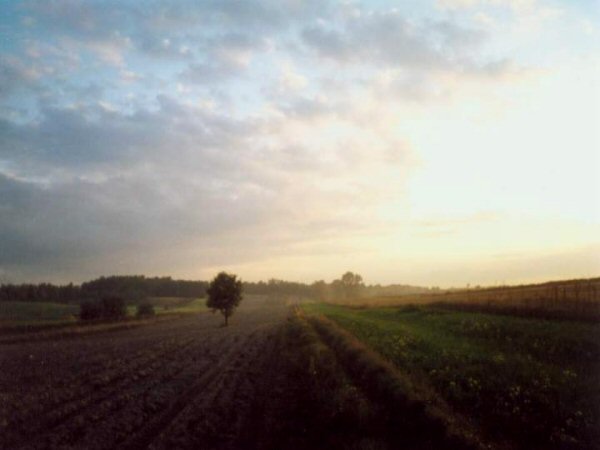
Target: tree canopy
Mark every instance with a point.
(351, 284)
(224, 294)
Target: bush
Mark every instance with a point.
(109, 308)
(113, 308)
(145, 310)
(90, 310)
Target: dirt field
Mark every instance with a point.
(184, 383)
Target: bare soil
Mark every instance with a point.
(183, 383)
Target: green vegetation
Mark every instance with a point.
(346, 396)
(530, 381)
(224, 294)
(28, 313)
(189, 307)
(108, 308)
(145, 310)
(133, 289)
(172, 305)
(329, 411)
(24, 316)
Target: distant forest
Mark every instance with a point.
(135, 288)
(132, 288)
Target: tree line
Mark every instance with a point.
(134, 288)
(43, 292)
(137, 288)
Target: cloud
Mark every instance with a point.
(92, 137)
(389, 38)
(42, 226)
(95, 184)
(515, 5)
(16, 73)
(63, 226)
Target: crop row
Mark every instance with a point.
(527, 381)
(227, 395)
(46, 406)
(51, 413)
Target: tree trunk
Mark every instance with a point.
(226, 319)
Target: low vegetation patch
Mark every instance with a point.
(108, 308)
(44, 318)
(343, 395)
(145, 310)
(38, 313)
(322, 408)
(189, 306)
(532, 382)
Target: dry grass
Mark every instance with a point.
(571, 299)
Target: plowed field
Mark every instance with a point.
(182, 383)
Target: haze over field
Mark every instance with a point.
(439, 143)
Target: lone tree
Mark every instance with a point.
(352, 284)
(224, 294)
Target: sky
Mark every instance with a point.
(433, 143)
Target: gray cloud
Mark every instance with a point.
(15, 74)
(391, 39)
(91, 137)
(86, 224)
(91, 186)
(188, 205)
(162, 28)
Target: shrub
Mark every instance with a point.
(109, 308)
(145, 310)
(113, 308)
(90, 310)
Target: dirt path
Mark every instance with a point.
(185, 383)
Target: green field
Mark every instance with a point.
(27, 314)
(182, 307)
(534, 383)
(36, 313)
(172, 305)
